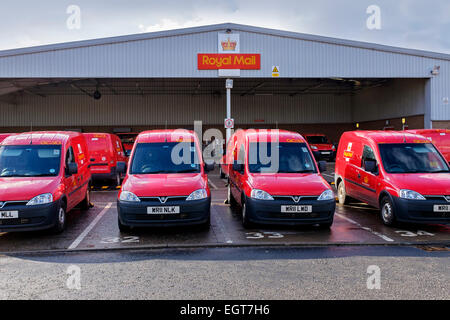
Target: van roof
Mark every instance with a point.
(262, 135)
(390, 136)
(167, 135)
(40, 137)
(429, 131)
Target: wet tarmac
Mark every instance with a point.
(96, 228)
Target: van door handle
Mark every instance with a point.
(359, 175)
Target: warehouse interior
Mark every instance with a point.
(322, 105)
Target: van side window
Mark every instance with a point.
(241, 158)
(368, 154)
(70, 158)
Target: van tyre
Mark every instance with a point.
(117, 180)
(60, 224)
(86, 203)
(245, 221)
(387, 211)
(122, 227)
(230, 199)
(222, 175)
(326, 225)
(343, 198)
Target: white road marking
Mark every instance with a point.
(221, 228)
(81, 237)
(382, 236)
(213, 185)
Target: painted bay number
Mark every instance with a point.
(130, 239)
(405, 233)
(263, 235)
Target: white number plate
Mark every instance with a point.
(441, 208)
(163, 210)
(326, 152)
(9, 214)
(296, 209)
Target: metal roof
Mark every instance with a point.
(223, 27)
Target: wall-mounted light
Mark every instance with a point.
(435, 70)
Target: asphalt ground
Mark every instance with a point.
(96, 229)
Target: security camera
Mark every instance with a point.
(228, 31)
(435, 70)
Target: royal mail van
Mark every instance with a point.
(43, 175)
(401, 173)
(274, 179)
(105, 150)
(166, 183)
(321, 147)
(439, 137)
(128, 139)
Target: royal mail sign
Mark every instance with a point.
(215, 61)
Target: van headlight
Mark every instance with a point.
(198, 195)
(326, 195)
(129, 196)
(41, 199)
(411, 195)
(313, 148)
(260, 195)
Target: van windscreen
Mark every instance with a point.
(411, 158)
(30, 160)
(165, 157)
(282, 157)
(317, 140)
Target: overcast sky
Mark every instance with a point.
(420, 24)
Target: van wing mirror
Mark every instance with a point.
(209, 167)
(322, 166)
(239, 167)
(71, 169)
(121, 167)
(370, 166)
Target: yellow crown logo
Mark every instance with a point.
(229, 45)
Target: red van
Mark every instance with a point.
(274, 179)
(43, 175)
(128, 139)
(105, 150)
(401, 173)
(321, 147)
(439, 137)
(166, 183)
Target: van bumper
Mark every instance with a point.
(322, 155)
(104, 175)
(420, 211)
(269, 212)
(31, 218)
(191, 213)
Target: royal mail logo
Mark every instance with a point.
(214, 61)
(228, 45)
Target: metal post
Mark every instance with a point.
(228, 86)
(228, 113)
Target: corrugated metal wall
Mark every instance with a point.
(129, 110)
(175, 56)
(398, 98)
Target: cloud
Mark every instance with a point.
(406, 23)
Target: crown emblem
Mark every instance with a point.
(228, 45)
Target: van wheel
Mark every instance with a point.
(326, 225)
(245, 221)
(387, 211)
(222, 175)
(342, 195)
(86, 203)
(230, 199)
(60, 220)
(122, 227)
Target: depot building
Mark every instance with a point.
(170, 79)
